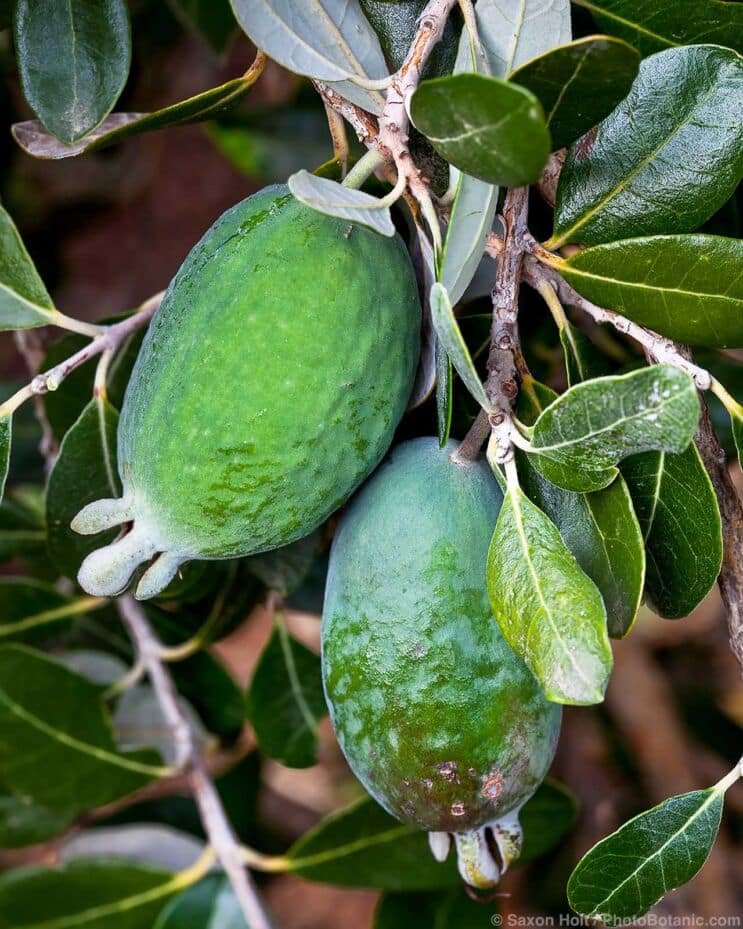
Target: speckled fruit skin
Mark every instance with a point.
(269, 385)
(438, 718)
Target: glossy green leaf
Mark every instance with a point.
(23, 822)
(484, 126)
(450, 337)
(362, 846)
(626, 874)
(73, 60)
(579, 84)
(652, 26)
(580, 438)
(210, 904)
(95, 894)
(213, 20)
(34, 140)
(333, 199)
(52, 719)
(285, 701)
(84, 471)
(24, 301)
(549, 611)
(513, 31)
(329, 40)
(6, 430)
(31, 611)
(680, 519)
(470, 222)
(687, 287)
(665, 160)
(444, 392)
(600, 529)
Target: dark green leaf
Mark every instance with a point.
(546, 818)
(580, 438)
(285, 569)
(411, 911)
(22, 528)
(665, 160)
(444, 394)
(680, 520)
(329, 40)
(450, 337)
(583, 360)
(652, 26)
(643, 280)
(73, 60)
(210, 903)
(6, 428)
(24, 301)
(213, 20)
(6, 13)
(52, 719)
(33, 139)
(626, 874)
(96, 894)
(579, 84)
(484, 126)
(362, 846)
(600, 529)
(285, 701)
(549, 611)
(84, 471)
(396, 23)
(34, 612)
(22, 822)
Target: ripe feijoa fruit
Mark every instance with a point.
(268, 386)
(438, 718)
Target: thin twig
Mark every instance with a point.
(664, 350)
(108, 341)
(504, 358)
(214, 819)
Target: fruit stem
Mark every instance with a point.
(363, 169)
(470, 446)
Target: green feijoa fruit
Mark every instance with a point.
(439, 719)
(268, 386)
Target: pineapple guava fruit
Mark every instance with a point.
(439, 719)
(268, 386)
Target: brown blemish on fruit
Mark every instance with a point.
(448, 770)
(492, 785)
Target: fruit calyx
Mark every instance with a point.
(479, 866)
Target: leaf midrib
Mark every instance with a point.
(623, 184)
(714, 795)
